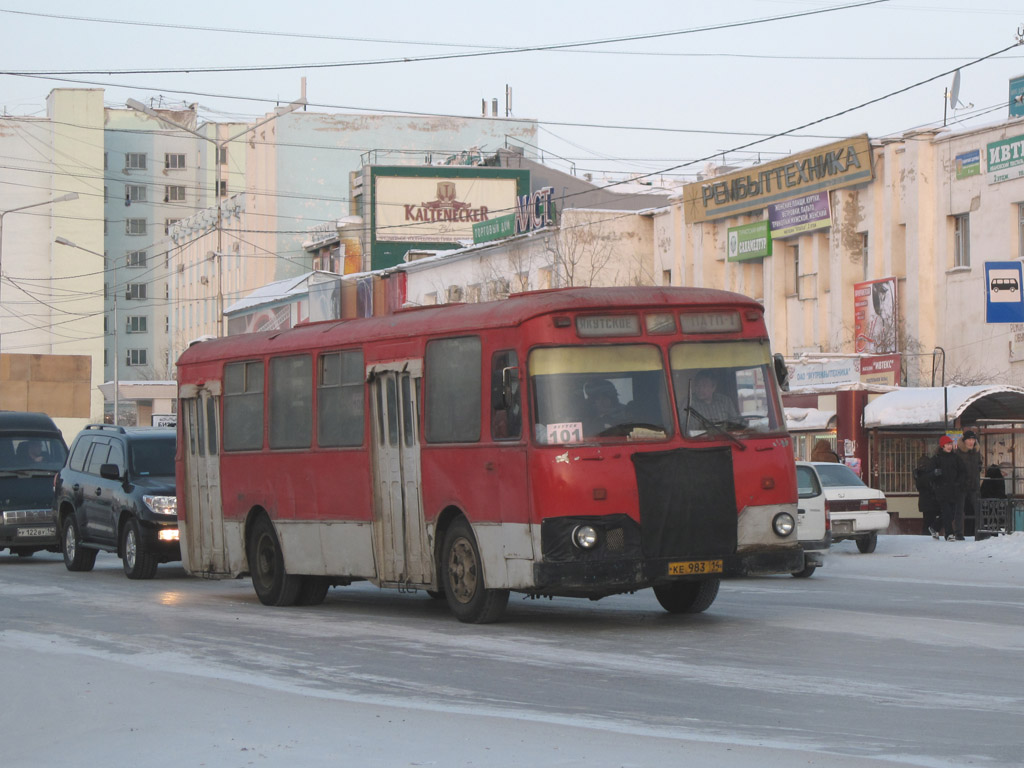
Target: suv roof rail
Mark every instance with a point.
(114, 427)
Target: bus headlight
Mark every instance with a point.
(584, 536)
(783, 524)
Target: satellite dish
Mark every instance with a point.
(954, 90)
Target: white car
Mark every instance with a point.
(856, 511)
(813, 527)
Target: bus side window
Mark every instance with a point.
(506, 403)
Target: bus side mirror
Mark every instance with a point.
(510, 386)
(781, 372)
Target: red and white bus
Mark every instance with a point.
(548, 444)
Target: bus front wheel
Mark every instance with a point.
(463, 577)
(273, 585)
(687, 596)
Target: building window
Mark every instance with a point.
(792, 269)
(173, 162)
(135, 226)
(134, 193)
(864, 253)
(962, 240)
(473, 293)
(104, 193)
(104, 161)
(174, 194)
(135, 291)
(898, 456)
(168, 223)
(136, 324)
(135, 357)
(135, 161)
(223, 188)
(222, 155)
(455, 294)
(136, 258)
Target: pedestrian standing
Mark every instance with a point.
(970, 453)
(949, 480)
(927, 504)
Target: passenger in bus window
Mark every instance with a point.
(603, 407)
(709, 402)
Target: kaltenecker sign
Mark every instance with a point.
(832, 166)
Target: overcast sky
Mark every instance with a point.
(668, 102)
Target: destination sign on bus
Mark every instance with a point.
(608, 325)
(710, 322)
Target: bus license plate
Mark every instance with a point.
(27, 532)
(694, 567)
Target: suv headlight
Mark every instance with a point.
(162, 505)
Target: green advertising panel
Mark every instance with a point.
(1005, 159)
(750, 241)
(494, 229)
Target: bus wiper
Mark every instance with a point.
(709, 424)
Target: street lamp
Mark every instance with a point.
(61, 199)
(117, 387)
(220, 144)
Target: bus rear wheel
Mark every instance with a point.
(687, 596)
(273, 585)
(463, 577)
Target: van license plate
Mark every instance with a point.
(32, 532)
(694, 567)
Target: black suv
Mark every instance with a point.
(31, 451)
(116, 493)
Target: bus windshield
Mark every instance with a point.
(725, 387)
(599, 392)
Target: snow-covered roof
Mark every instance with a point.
(281, 290)
(936, 407)
(809, 419)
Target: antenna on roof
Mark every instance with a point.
(953, 97)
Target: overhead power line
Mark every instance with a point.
(500, 51)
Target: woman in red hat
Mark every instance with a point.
(949, 479)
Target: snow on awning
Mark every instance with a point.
(809, 419)
(937, 407)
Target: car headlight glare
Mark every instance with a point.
(162, 505)
(783, 524)
(584, 536)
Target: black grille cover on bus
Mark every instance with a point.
(687, 502)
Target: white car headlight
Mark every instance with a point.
(162, 505)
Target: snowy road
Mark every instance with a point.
(911, 656)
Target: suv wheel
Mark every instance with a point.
(139, 563)
(76, 557)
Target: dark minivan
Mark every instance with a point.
(32, 449)
(116, 494)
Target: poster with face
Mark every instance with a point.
(875, 318)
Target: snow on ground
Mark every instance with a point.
(999, 559)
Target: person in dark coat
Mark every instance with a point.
(927, 504)
(970, 453)
(994, 484)
(949, 481)
(823, 452)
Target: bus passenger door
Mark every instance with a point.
(400, 536)
(202, 549)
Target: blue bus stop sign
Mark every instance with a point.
(1004, 292)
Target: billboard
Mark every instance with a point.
(874, 316)
(801, 214)
(749, 241)
(832, 166)
(438, 209)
